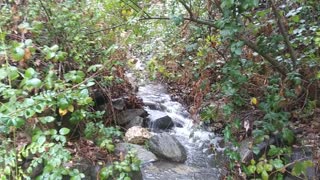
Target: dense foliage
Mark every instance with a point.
(53, 56)
(251, 66)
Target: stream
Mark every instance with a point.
(201, 163)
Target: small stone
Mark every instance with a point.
(137, 135)
(119, 103)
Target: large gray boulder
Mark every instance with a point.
(144, 155)
(168, 147)
(127, 115)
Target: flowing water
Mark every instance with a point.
(201, 163)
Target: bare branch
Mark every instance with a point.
(48, 14)
(187, 8)
(106, 29)
(276, 65)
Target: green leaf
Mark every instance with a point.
(50, 55)
(227, 133)
(277, 163)
(64, 131)
(3, 73)
(256, 150)
(28, 42)
(227, 4)
(54, 48)
(252, 169)
(288, 136)
(260, 167)
(274, 151)
(7, 170)
(18, 53)
(74, 76)
(135, 166)
(63, 103)
(265, 175)
(46, 119)
(13, 72)
(110, 147)
(94, 68)
(268, 167)
(49, 79)
(29, 113)
(60, 56)
(39, 108)
(18, 122)
(301, 167)
(104, 173)
(238, 51)
(34, 83)
(29, 73)
(41, 140)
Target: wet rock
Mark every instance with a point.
(129, 114)
(144, 155)
(178, 124)
(162, 123)
(168, 147)
(152, 105)
(160, 120)
(137, 121)
(119, 103)
(137, 135)
(162, 170)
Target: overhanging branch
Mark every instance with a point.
(187, 8)
(276, 65)
(285, 35)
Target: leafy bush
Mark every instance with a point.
(122, 170)
(51, 53)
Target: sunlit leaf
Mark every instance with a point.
(62, 112)
(46, 119)
(18, 53)
(254, 101)
(64, 131)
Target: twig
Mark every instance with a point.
(108, 94)
(287, 165)
(45, 10)
(144, 12)
(130, 6)
(106, 29)
(187, 8)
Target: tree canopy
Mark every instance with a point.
(246, 68)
